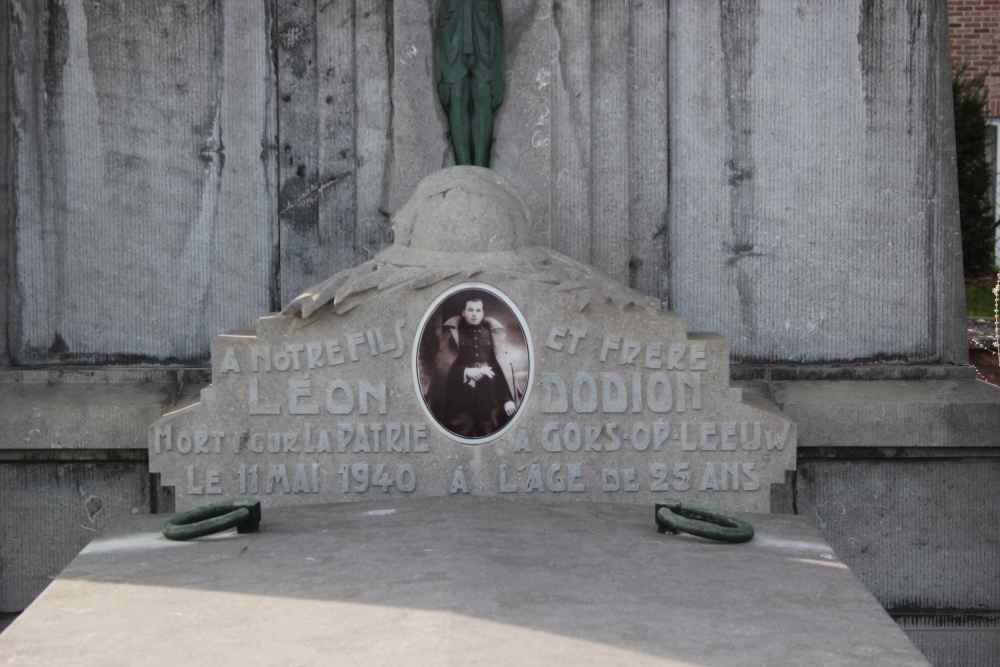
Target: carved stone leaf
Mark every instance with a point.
(431, 277)
(349, 303)
(362, 279)
(572, 285)
(398, 276)
(316, 296)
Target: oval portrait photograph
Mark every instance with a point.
(473, 363)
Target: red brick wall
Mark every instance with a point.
(974, 29)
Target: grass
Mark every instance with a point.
(979, 297)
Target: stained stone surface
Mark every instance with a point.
(477, 581)
(332, 399)
(142, 164)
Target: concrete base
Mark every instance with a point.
(969, 640)
(926, 413)
(896, 483)
(89, 408)
(897, 467)
(478, 581)
(52, 509)
(72, 459)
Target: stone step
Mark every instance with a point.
(478, 581)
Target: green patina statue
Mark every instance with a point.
(471, 62)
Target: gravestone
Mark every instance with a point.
(465, 360)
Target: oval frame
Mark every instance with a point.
(415, 361)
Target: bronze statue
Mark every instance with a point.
(471, 62)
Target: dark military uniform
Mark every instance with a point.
(474, 408)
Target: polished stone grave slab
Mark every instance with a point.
(457, 581)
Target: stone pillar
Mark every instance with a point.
(813, 217)
(143, 172)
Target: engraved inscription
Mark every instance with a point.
(615, 406)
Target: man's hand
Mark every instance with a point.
(477, 373)
(509, 408)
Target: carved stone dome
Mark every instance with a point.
(463, 210)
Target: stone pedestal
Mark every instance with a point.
(446, 581)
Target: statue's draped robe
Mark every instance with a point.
(470, 43)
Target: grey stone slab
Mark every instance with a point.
(143, 178)
(327, 244)
(49, 511)
(87, 409)
(771, 373)
(609, 126)
(356, 388)
(920, 534)
(419, 126)
(238, 273)
(6, 223)
(374, 110)
(955, 639)
(303, 232)
(888, 413)
(945, 277)
(180, 377)
(78, 416)
(649, 154)
(524, 124)
(801, 206)
(568, 228)
(484, 581)
(335, 124)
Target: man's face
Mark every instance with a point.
(473, 313)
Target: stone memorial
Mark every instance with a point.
(465, 360)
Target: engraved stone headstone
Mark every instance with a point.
(464, 360)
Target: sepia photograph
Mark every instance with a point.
(473, 363)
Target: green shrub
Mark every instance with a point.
(976, 176)
(978, 299)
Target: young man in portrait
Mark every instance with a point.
(473, 393)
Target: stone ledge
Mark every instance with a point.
(956, 638)
(859, 454)
(54, 409)
(179, 375)
(888, 414)
(119, 455)
(751, 373)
